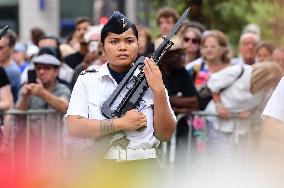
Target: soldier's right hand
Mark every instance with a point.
(133, 120)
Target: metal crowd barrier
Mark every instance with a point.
(169, 148)
(170, 153)
(29, 128)
(22, 123)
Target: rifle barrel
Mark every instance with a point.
(178, 24)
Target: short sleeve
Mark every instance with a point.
(224, 78)
(78, 104)
(169, 105)
(4, 80)
(275, 105)
(64, 92)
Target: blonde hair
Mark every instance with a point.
(265, 76)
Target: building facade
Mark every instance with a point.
(57, 17)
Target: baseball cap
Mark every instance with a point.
(46, 59)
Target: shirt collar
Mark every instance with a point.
(103, 71)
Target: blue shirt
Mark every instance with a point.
(14, 75)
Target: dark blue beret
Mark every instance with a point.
(117, 24)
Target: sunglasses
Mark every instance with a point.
(193, 40)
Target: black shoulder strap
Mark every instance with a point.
(240, 75)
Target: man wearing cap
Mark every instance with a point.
(47, 93)
(128, 151)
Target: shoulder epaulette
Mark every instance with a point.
(88, 71)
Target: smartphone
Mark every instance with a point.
(31, 76)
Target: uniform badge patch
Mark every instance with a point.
(124, 23)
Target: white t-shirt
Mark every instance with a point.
(236, 98)
(275, 105)
(93, 89)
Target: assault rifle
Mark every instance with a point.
(139, 87)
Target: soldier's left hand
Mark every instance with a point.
(153, 75)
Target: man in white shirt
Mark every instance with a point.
(247, 49)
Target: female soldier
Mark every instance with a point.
(119, 38)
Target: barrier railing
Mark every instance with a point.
(33, 135)
(47, 126)
(171, 150)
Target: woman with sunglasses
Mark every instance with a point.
(215, 56)
(191, 43)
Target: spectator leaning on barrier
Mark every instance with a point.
(47, 93)
(214, 51)
(246, 88)
(278, 57)
(6, 102)
(264, 51)
(191, 42)
(182, 92)
(247, 49)
(7, 44)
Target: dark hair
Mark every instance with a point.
(146, 31)
(172, 60)
(167, 12)
(12, 38)
(269, 46)
(36, 34)
(80, 20)
(49, 50)
(105, 34)
(58, 54)
(197, 25)
(52, 38)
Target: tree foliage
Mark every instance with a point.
(230, 16)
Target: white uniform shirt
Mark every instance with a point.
(275, 105)
(236, 98)
(93, 89)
